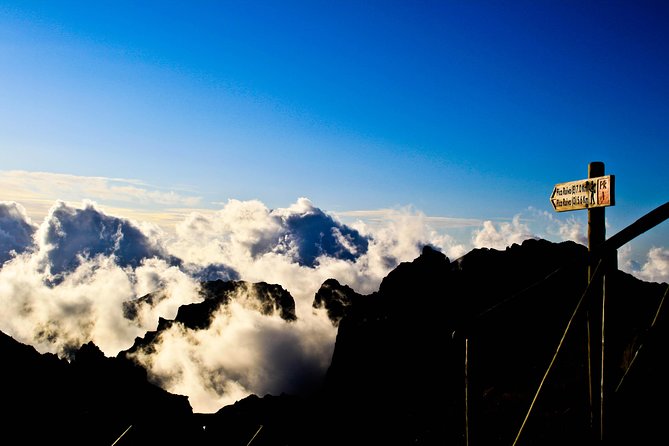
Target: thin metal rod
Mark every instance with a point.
(254, 436)
(636, 353)
(121, 436)
(596, 273)
(601, 365)
(466, 393)
(590, 397)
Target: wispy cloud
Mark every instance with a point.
(383, 215)
(45, 187)
(134, 199)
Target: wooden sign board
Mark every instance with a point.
(584, 194)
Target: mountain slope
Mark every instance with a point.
(400, 352)
(398, 374)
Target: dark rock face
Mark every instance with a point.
(391, 358)
(93, 399)
(444, 351)
(89, 400)
(336, 299)
(269, 298)
(34, 387)
(400, 352)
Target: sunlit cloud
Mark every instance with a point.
(503, 234)
(241, 352)
(68, 287)
(70, 279)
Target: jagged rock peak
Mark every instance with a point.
(335, 298)
(270, 298)
(426, 270)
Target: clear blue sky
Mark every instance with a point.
(467, 109)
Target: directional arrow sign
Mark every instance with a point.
(584, 194)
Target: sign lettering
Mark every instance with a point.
(584, 194)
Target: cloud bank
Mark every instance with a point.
(66, 281)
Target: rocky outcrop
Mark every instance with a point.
(89, 400)
(400, 352)
(443, 350)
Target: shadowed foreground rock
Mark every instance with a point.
(397, 375)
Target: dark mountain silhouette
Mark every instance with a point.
(398, 374)
(89, 400)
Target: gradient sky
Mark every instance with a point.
(467, 110)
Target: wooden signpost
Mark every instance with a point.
(594, 194)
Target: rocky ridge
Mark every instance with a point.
(398, 373)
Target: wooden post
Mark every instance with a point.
(595, 315)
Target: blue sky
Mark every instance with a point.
(464, 110)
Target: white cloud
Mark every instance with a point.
(501, 235)
(573, 230)
(70, 286)
(104, 265)
(16, 230)
(656, 266)
(87, 305)
(240, 353)
(70, 235)
(565, 227)
(211, 366)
